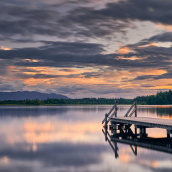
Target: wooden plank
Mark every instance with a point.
(144, 121)
(136, 108)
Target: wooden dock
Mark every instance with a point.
(123, 124)
(144, 121)
(121, 131)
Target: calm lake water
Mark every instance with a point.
(70, 139)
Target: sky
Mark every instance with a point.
(86, 48)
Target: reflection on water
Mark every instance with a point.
(69, 138)
(135, 140)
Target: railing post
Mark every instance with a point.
(106, 127)
(114, 113)
(136, 108)
(126, 115)
(109, 113)
(115, 108)
(116, 154)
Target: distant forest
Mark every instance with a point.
(161, 98)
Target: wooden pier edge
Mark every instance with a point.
(139, 122)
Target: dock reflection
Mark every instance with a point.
(134, 140)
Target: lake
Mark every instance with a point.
(70, 139)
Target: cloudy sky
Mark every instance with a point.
(86, 48)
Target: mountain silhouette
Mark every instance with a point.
(32, 95)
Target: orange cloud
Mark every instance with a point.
(129, 58)
(31, 60)
(153, 72)
(113, 78)
(11, 67)
(164, 86)
(84, 81)
(124, 50)
(4, 48)
(33, 81)
(166, 27)
(148, 45)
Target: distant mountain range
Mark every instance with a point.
(32, 95)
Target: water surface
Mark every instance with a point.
(70, 139)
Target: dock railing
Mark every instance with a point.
(113, 112)
(134, 107)
(110, 114)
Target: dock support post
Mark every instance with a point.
(168, 134)
(143, 132)
(136, 108)
(113, 129)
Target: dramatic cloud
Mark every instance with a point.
(60, 54)
(86, 48)
(81, 19)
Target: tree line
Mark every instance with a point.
(48, 101)
(161, 98)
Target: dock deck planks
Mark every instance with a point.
(145, 121)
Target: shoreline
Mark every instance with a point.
(77, 105)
